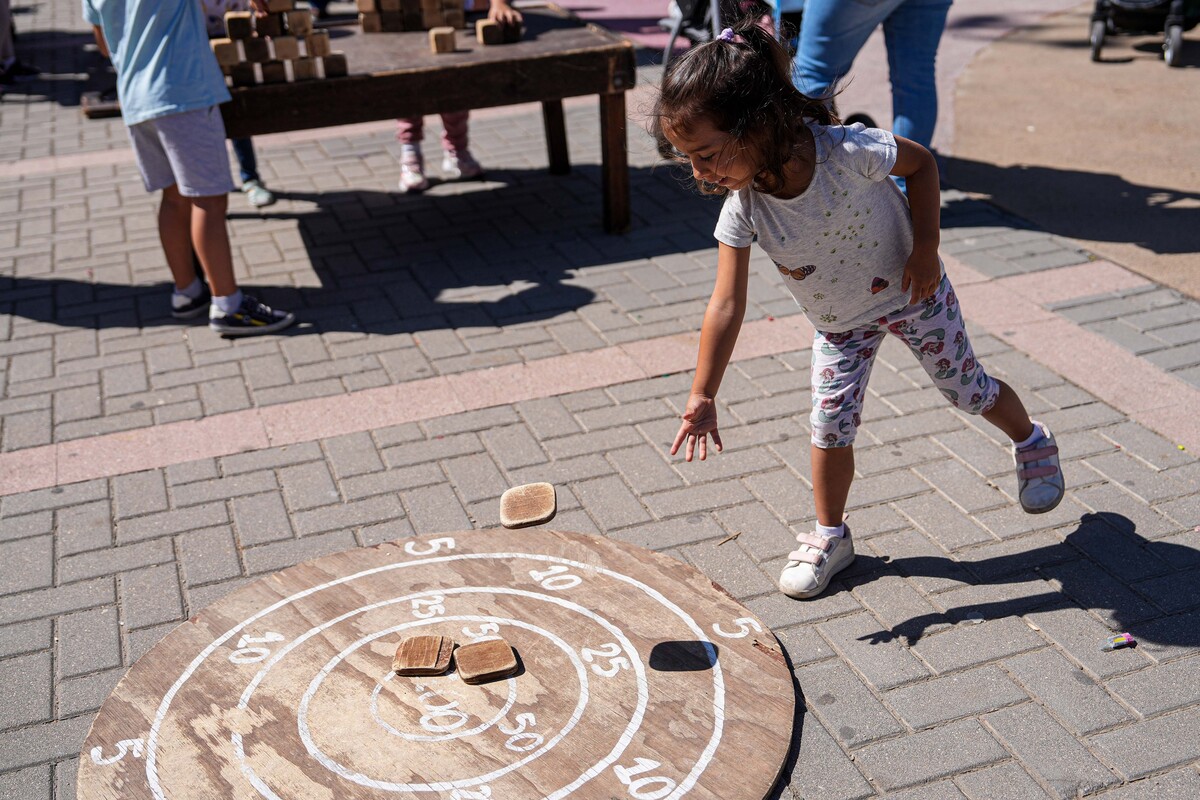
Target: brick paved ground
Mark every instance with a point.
(958, 657)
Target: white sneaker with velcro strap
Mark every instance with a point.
(1040, 485)
(818, 559)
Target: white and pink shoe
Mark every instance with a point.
(817, 560)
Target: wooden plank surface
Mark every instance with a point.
(395, 74)
(639, 678)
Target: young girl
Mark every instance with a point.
(860, 260)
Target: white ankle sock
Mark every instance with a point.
(192, 290)
(825, 530)
(1033, 437)
(229, 304)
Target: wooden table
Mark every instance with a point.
(396, 75)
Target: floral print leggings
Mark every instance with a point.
(933, 329)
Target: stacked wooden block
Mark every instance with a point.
(410, 15)
(277, 48)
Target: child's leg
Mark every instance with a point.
(832, 474)
(174, 231)
(937, 335)
(410, 130)
(211, 240)
(454, 131)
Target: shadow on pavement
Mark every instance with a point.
(70, 65)
(1094, 206)
(517, 249)
(1146, 587)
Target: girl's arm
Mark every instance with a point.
(722, 323)
(919, 169)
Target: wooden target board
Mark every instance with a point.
(638, 679)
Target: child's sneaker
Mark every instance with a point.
(819, 558)
(257, 194)
(1040, 485)
(412, 174)
(460, 166)
(184, 307)
(251, 319)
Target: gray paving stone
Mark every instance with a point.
(14, 505)
(27, 525)
(225, 488)
(307, 486)
(823, 769)
(347, 515)
(728, 565)
(1140, 522)
(1067, 691)
(116, 559)
(1001, 782)
(968, 645)
(1094, 589)
(150, 596)
(56, 600)
(25, 637)
(943, 522)
(1011, 520)
(432, 509)
(31, 703)
(31, 783)
(1151, 746)
(271, 458)
(548, 418)
(1149, 485)
(937, 701)
(88, 641)
(782, 492)
(41, 743)
(905, 613)
(208, 555)
(286, 553)
(884, 662)
(929, 755)
(26, 564)
(919, 559)
(704, 497)
(513, 446)
(1164, 688)
(758, 530)
(192, 471)
(410, 453)
(260, 518)
(475, 477)
(1065, 766)
(778, 611)
(139, 493)
(1182, 784)
(611, 503)
(1146, 445)
(139, 642)
(845, 706)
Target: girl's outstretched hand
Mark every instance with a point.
(699, 420)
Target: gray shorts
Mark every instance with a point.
(185, 149)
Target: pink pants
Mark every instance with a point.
(454, 133)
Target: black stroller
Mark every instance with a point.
(1168, 17)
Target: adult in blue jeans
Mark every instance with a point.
(833, 31)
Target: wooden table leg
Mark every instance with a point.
(556, 137)
(614, 163)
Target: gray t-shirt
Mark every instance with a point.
(842, 244)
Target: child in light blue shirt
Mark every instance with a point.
(170, 89)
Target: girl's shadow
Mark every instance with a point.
(1150, 588)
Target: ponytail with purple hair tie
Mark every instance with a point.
(728, 35)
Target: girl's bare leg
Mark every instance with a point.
(832, 474)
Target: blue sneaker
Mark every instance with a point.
(251, 319)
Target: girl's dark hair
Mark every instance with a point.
(744, 88)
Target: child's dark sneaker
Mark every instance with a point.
(817, 560)
(184, 307)
(251, 319)
(1040, 485)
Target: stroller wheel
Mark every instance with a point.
(1099, 27)
(1173, 45)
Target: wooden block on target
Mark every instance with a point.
(271, 25)
(275, 6)
(257, 50)
(481, 662)
(423, 655)
(441, 40)
(531, 504)
(226, 51)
